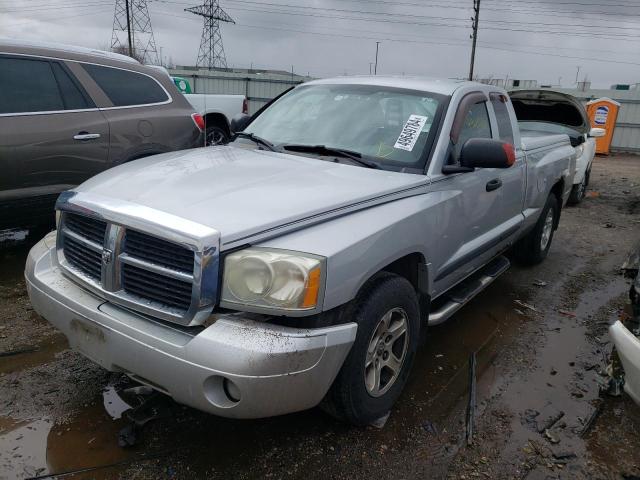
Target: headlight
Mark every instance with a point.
(272, 280)
(579, 149)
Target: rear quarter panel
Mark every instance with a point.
(550, 159)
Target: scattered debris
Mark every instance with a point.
(471, 408)
(548, 418)
(591, 420)
(525, 305)
(549, 436)
(381, 422)
(567, 313)
(18, 351)
(539, 283)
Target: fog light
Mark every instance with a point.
(231, 390)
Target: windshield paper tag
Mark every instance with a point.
(410, 133)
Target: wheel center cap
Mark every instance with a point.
(380, 350)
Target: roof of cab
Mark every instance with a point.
(426, 84)
(58, 50)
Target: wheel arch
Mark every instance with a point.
(217, 119)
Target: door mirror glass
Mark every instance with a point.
(239, 122)
(487, 153)
(597, 132)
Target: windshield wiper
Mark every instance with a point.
(356, 157)
(256, 139)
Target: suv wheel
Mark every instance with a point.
(378, 365)
(216, 135)
(533, 248)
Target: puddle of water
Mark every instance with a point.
(88, 440)
(33, 356)
(558, 381)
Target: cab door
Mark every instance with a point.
(512, 179)
(472, 214)
(52, 136)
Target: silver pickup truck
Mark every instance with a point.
(303, 263)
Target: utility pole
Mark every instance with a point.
(132, 33)
(577, 73)
(129, 29)
(475, 19)
(375, 70)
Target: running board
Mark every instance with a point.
(462, 293)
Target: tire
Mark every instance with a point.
(578, 192)
(533, 248)
(216, 135)
(355, 396)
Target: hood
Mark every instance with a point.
(241, 192)
(551, 107)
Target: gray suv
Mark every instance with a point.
(67, 113)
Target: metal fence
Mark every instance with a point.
(258, 86)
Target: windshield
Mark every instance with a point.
(390, 126)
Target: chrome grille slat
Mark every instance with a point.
(148, 278)
(169, 272)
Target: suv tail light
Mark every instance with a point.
(245, 106)
(198, 120)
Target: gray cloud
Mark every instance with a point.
(429, 42)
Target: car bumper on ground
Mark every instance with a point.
(628, 348)
(236, 367)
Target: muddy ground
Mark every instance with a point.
(540, 339)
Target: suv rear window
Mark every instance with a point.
(126, 88)
(28, 86)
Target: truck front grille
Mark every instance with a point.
(87, 227)
(156, 288)
(141, 271)
(158, 251)
(83, 258)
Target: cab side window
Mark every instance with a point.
(505, 129)
(476, 125)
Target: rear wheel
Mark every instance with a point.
(378, 365)
(533, 248)
(216, 135)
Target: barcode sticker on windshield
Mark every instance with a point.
(410, 133)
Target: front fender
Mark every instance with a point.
(361, 244)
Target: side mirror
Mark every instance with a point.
(597, 132)
(487, 153)
(239, 122)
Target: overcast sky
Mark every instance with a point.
(544, 40)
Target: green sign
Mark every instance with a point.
(182, 84)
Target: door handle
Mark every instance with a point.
(494, 184)
(86, 136)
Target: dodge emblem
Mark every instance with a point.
(106, 256)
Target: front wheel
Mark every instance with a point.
(378, 365)
(578, 191)
(534, 247)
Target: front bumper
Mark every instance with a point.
(272, 369)
(628, 348)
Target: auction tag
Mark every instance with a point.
(410, 133)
